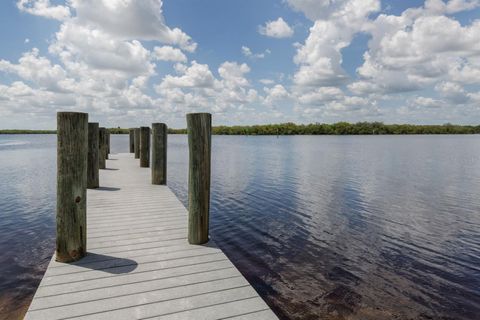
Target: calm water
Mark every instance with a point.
(369, 227)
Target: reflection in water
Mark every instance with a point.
(377, 227)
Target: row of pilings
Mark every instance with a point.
(82, 150)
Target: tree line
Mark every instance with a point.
(339, 128)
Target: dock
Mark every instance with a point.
(139, 264)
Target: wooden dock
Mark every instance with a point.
(139, 263)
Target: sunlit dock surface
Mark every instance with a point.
(139, 263)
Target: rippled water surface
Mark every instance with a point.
(351, 227)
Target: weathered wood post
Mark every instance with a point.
(107, 143)
(144, 147)
(102, 132)
(72, 153)
(93, 160)
(199, 127)
(137, 142)
(131, 134)
(159, 153)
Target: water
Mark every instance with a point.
(364, 227)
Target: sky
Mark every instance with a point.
(130, 63)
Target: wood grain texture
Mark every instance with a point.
(199, 126)
(102, 132)
(144, 147)
(72, 153)
(107, 143)
(93, 160)
(159, 153)
(139, 262)
(136, 132)
(131, 141)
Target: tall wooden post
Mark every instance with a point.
(72, 153)
(93, 160)
(102, 132)
(159, 153)
(137, 142)
(199, 127)
(131, 134)
(144, 147)
(107, 143)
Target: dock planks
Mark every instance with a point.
(139, 263)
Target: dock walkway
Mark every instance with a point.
(139, 263)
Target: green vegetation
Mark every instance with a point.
(339, 128)
(20, 131)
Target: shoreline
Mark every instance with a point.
(339, 128)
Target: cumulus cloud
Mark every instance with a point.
(101, 60)
(168, 53)
(103, 65)
(44, 8)
(421, 49)
(39, 70)
(276, 29)
(275, 94)
(320, 57)
(195, 86)
(426, 102)
(247, 52)
(130, 19)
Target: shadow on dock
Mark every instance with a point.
(108, 264)
(108, 189)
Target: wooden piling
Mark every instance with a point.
(101, 146)
(72, 154)
(131, 134)
(159, 153)
(93, 160)
(144, 147)
(107, 143)
(137, 142)
(199, 127)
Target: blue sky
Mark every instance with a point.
(129, 62)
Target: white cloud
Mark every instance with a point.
(426, 102)
(168, 53)
(419, 49)
(196, 88)
(320, 57)
(266, 81)
(247, 52)
(195, 76)
(320, 96)
(316, 9)
(38, 70)
(452, 92)
(451, 6)
(276, 94)
(276, 29)
(99, 61)
(44, 8)
(129, 19)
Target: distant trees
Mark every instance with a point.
(21, 131)
(339, 128)
(289, 128)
